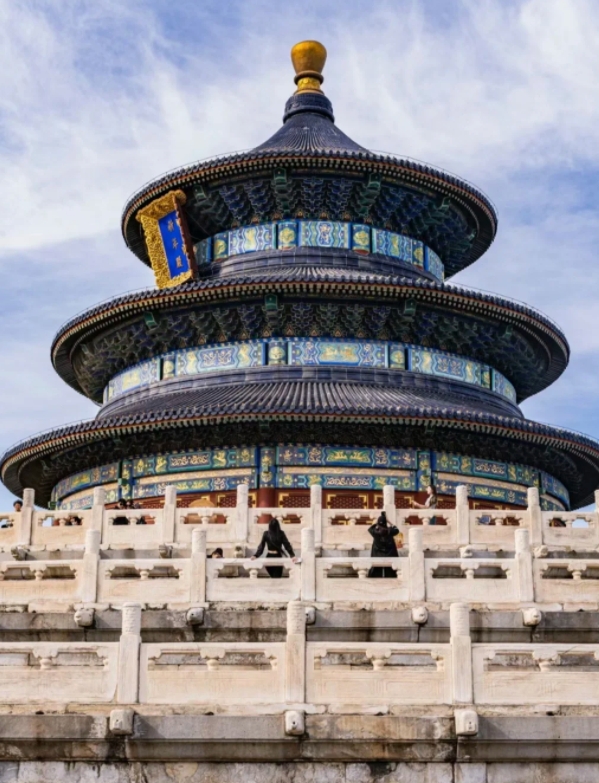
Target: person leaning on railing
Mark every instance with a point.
(276, 544)
(383, 545)
(432, 501)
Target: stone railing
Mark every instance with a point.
(161, 557)
(346, 530)
(59, 672)
(517, 575)
(296, 674)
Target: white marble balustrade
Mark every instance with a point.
(58, 672)
(244, 579)
(347, 579)
(479, 580)
(191, 577)
(219, 524)
(575, 580)
(39, 581)
(343, 675)
(60, 528)
(535, 674)
(291, 674)
(151, 581)
(213, 674)
(334, 529)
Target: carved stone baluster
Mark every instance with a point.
(379, 658)
(461, 653)
(128, 662)
(212, 656)
(308, 564)
(416, 572)
(198, 567)
(577, 570)
(295, 653)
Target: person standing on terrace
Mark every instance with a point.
(383, 545)
(432, 501)
(276, 544)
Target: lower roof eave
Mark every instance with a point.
(57, 442)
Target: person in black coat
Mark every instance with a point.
(383, 545)
(276, 544)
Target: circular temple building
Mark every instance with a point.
(303, 332)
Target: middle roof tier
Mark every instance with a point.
(299, 301)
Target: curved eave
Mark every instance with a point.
(89, 432)
(214, 290)
(472, 201)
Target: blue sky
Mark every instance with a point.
(98, 97)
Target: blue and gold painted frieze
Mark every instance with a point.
(388, 243)
(197, 484)
(324, 233)
(337, 352)
(396, 353)
(502, 386)
(554, 487)
(300, 351)
(445, 365)
(481, 491)
(80, 501)
(232, 356)
(458, 368)
(306, 456)
(268, 466)
(194, 461)
(142, 374)
(87, 478)
(299, 467)
(277, 352)
(472, 466)
(252, 239)
(361, 241)
(289, 234)
(128, 472)
(293, 478)
(433, 264)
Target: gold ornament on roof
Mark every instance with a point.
(308, 58)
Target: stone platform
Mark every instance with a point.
(128, 654)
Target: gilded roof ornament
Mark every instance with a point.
(308, 58)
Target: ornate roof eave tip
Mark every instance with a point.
(308, 58)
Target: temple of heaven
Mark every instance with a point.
(303, 332)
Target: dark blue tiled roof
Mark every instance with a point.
(295, 408)
(351, 390)
(535, 357)
(308, 132)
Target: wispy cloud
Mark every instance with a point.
(98, 97)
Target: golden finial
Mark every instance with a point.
(308, 58)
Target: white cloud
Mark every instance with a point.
(510, 85)
(98, 97)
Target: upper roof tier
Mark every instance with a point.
(309, 169)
